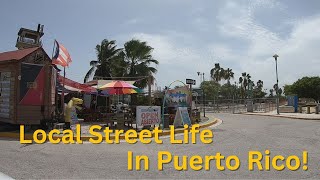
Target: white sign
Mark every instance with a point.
(148, 115)
(182, 117)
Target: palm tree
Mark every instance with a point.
(228, 74)
(259, 84)
(245, 81)
(107, 56)
(218, 73)
(215, 72)
(241, 87)
(271, 92)
(137, 56)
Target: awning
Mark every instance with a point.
(74, 86)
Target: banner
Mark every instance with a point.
(148, 115)
(179, 97)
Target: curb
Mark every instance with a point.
(281, 116)
(15, 135)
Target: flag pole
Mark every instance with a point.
(62, 94)
(56, 89)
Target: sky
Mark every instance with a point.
(188, 36)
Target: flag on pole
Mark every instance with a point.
(61, 55)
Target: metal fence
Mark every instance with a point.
(238, 105)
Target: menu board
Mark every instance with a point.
(182, 117)
(5, 94)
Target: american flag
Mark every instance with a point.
(61, 56)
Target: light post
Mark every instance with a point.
(277, 89)
(203, 94)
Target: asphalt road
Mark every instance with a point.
(237, 135)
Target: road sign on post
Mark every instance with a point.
(191, 81)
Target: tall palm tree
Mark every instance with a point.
(241, 87)
(217, 73)
(259, 84)
(140, 62)
(228, 74)
(107, 55)
(271, 92)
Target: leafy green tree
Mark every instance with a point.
(211, 89)
(107, 56)
(228, 91)
(288, 90)
(306, 87)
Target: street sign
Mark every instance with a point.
(191, 81)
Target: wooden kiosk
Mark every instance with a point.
(27, 81)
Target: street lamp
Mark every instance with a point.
(203, 94)
(277, 89)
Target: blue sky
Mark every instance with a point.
(187, 36)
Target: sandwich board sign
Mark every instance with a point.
(182, 117)
(148, 115)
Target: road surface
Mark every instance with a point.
(237, 135)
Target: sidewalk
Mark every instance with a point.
(287, 115)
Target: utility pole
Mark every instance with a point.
(203, 94)
(277, 89)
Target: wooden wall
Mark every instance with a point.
(28, 114)
(8, 96)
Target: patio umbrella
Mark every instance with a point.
(117, 84)
(117, 91)
(119, 87)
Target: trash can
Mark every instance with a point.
(166, 121)
(317, 109)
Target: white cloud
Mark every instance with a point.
(298, 53)
(132, 21)
(241, 43)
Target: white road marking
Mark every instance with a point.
(4, 176)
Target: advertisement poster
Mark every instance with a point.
(179, 97)
(148, 115)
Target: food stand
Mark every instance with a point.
(27, 86)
